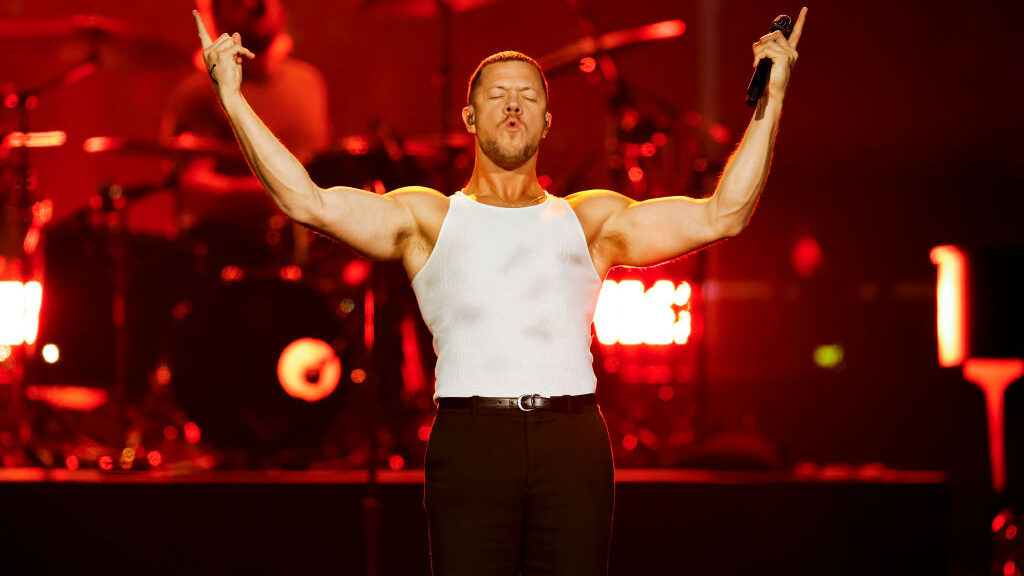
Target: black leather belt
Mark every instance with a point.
(526, 402)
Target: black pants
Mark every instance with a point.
(510, 491)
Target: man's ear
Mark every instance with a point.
(547, 125)
(469, 119)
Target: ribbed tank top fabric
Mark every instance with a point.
(509, 296)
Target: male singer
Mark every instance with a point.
(519, 474)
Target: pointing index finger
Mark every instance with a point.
(204, 37)
(798, 28)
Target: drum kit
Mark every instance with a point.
(200, 322)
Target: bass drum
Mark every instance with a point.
(258, 365)
(77, 312)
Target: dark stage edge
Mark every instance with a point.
(667, 522)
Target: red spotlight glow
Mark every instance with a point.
(71, 462)
(32, 140)
(806, 256)
(106, 463)
(588, 64)
(993, 376)
(396, 462)
(192, 433)
(359, 376)
(154, 458)
(356, 145)
(629, 442)
(291, 273)
(999, 521)
(1010, 568)
(355, 272)
(423, 433)
(170, 433)
(1011, 532)
(77, 398)
(308, 369)
(951, 298)
(636, 174)
(231, 274)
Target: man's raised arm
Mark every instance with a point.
(371, 224)
(656, 230)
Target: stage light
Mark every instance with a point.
(588, 64)
(308, 369)
(358, 375)
(999, 521)
(170, 433)
(71, 462)
(154, 458)
(396, 462)
(78, 398)
(951, 298)
(636, 174)
(806, 256)
(291, 273)
(423, 433)
(629, 442)
(162, 375)
(355, 272)
(51, 353)
(127, 459)
(993, 376)
(231, 274)
(106, 463)
(192, 433)
(828, 356)
(19, 312)
(627, 314)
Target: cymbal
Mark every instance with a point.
(415, 8)
(571, 53)
(110, 42)
(184, 145)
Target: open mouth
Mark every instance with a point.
(512, 125)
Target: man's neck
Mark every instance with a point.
(510, 186)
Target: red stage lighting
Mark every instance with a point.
(951, 297)
(19, 312)
(308, 369)
(628, 314)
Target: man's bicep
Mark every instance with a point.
(376, 226)
(660, 229)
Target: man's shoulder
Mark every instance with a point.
(421, 200)
(593, 207)
(427, 206)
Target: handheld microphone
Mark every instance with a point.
(764, 68)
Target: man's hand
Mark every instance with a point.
(782, 53)
(223, 58)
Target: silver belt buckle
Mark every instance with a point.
(519, 402)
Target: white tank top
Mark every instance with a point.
(509, 296)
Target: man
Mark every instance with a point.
(519, 474)
(222, 205)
